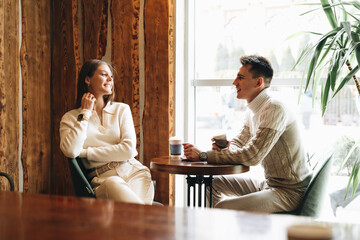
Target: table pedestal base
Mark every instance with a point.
(199, 180)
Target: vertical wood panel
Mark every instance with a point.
(66, 64)
(35, 67)
(171, 44)
(157, 121)
(9, 91)
(95, 15)
(125, 56)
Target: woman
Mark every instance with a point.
(102, 133)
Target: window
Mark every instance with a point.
(217, 33)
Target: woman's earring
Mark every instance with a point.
(87, 81)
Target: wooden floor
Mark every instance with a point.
(37, 216)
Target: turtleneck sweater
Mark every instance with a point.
(270, 136)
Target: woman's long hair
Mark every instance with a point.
(88, 70)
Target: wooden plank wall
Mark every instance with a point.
(157, 121)
(9, 91)
(95, 16)
(171, 63)
(66, 64)
(35, 68)
(50, 62)
(125, 56)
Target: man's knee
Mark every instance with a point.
(224, 204)
(219, 205)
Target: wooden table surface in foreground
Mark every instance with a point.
(40, 216)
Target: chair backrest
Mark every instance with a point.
(313, 199)
(9, 179)
(82, 187)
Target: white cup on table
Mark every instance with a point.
(175, 146)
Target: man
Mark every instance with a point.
(270, 136)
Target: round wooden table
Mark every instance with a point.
(178, 165)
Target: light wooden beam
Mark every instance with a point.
(9, 92)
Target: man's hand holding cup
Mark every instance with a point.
(220, 142)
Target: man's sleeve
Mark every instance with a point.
(250, 152)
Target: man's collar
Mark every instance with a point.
(255, 104)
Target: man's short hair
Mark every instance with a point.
(260, 67)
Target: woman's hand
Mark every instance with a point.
(191, 152)
(88, 101)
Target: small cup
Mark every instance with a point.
(221, 141)
(309, 232)
(175, 146)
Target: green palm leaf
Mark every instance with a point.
(350, 14)
(325, 95)
(354, 175)
(329, 13)
(355, 4)
(346, 79)
(316, 82)
(355, 38)
(318, 50)
(354, 47)
(303, 55)
(333, 72)
(347, 54)
(354, 178)
(339, 32)
(301, 33)
(356, 144)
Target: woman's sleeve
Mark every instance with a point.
(73, 134)
(125, 150)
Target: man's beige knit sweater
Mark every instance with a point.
(270, 136)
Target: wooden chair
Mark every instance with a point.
(312, 201)
(7, 176)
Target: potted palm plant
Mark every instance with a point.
(337, 56)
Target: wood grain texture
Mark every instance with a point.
(9, 91)
(125, 56)
(157, 121)
(171, 45)
(66, 64)
(42, 216)
(35, 59)
(95, 19)
(76, 38)
(175, 165)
